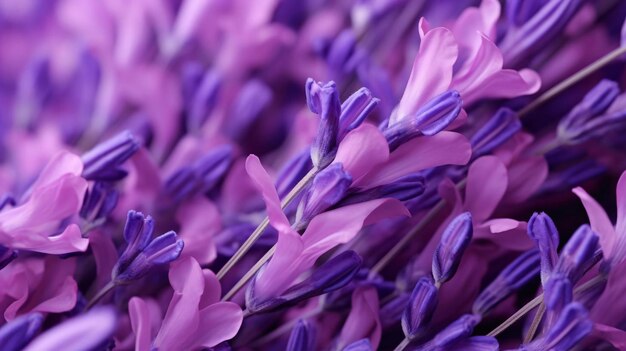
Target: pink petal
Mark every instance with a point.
(599, 221)
(265, 185)
(182, 317)
(444, 148)
(614, 336)
(70, 240)
(212, 289)
(620, 192)
(486, 183)
(141, 323)
(219, 322)
(199, 221)
(610, 306)
(105, 255)
(508, 234)
(63, 163)
(363, 320)
(431, 74)
(472, 20)
(506, 83)
(525, 177)
(362, 150)
(486, 62)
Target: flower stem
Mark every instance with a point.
(401, 346)
(249, 274)
(105, 290)
(245, 247)
(535, 324)
(573, 79)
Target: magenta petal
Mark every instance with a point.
(265, 185)
(140, 322)
(63, 163)
(444, 148)
(614, 336)
(363, 320)
(105, 255)
(431, 74)
(599, 221)
(219, 322)
(620, 226)
(212, 289)
(525, 177)
(481, 201)
(506, 233)
(362, 150)
(199, 221)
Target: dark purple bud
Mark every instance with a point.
(557, 294)
(17, 333)
(542, 230)
(577, 254)
(430, 119)
(457, 331)
(572, 326)
(510, 279)
(404, 189)
(99, 201)
(324, 101)
(292, 172)
(359, 345)
(520, 11)
(202, 90)
(6, 256)
(137, 234)
(7, 200)
(500, 128)
(355, 110)
(476, 343)
(572, 176)
(343, 54)
(582, 121)
(420, 310)
(89, 331)
(254, 97)
(332, 275)
(302, 337)
(162, 250)
(328, 188)
(377, 80)
(455, 239)
(391, 312)
(103, 160)
(549, 21)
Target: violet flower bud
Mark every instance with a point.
(254, 97)
(549, 21)
(498, 129)
(331, 276)
(143, 252)
(359, 345)
(457, 331)
(404, 189)
(323, 100)
(557, 294)
(572, 176)
(202, 90)
(572, 326)
(102, 162)
(511, 278)
(476, 343)
(455, 239)
(292, 172)
(520, 11)
(430, 119)
(17, 333)
(302, 337)
(343, 55)
(391, 312)
(582, 121)
(328, 188)
(577, 254)
(354, 111)
(542, 230)
(99, 202)
(420, 309)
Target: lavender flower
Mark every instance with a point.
(454, 241)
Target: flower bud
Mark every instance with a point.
(420, 310)
(302, 337)
(323, 100)
(102, 162)
(577, 254)
(455, 239)
(328, 187)
(498, 129)
(542, 230)
(572, 326)
(17, 333)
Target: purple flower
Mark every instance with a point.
(454, 241)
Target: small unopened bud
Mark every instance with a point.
(542, 230)
(102, 162)
(500, 128)
(420, 310)
(577, 253)
(571, 327)
(302, 337)
(328, 188)
(455, 239)
(323, 100)
(17, 333)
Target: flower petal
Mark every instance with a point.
(598, 220)
(481, 201)
(362, 150)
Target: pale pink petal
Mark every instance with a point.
(486, 183)
(140, 322)
(339, 226)
(525, 177)
(506, 83)
(199, 221)
(212, 289)
(363, 320)
(474, 22)
(182, 317)
(620, 192)
(70, 240)
(486, 62)
(64, 298)
(63, 163)
(444, 148)
(219, 322)
(265, 185)
(598, 220)
(507, 233)
(614, 336)
(431, 74)
(362, 149)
